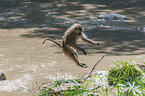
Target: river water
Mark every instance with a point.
(24, 24)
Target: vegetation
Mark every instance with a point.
(126, 80)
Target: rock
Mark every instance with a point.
(142, 28)
(113, 16)
(2, 75)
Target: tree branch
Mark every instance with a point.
(92, 70)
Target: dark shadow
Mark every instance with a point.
(48, 13)
(119, 42)
(53, 17)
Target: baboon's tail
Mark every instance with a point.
(57, 43)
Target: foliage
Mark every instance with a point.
(127, 81)
(124, 73)
(70, 87)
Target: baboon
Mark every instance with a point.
(69, 45)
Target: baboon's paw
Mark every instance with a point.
(98, 43)
(83, 65)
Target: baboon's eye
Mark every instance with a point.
(80, 28)
(76, 28)
(80, 33)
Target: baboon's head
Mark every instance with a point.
(78, 28)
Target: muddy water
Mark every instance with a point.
(27, 63)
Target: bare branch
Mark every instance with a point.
(92, 69)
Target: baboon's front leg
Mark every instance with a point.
(69, 53)
(84, 38)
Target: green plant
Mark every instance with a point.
(124, 73)
(126, 80)
(71, 87)
(131, 89)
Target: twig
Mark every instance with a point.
(92, 70)
(40, 86)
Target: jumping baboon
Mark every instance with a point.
(69, 45)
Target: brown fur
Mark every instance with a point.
(69, 45)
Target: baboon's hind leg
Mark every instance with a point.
(74, 52)
(75, 46)
(73, 57)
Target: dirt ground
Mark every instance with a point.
(28, 63)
